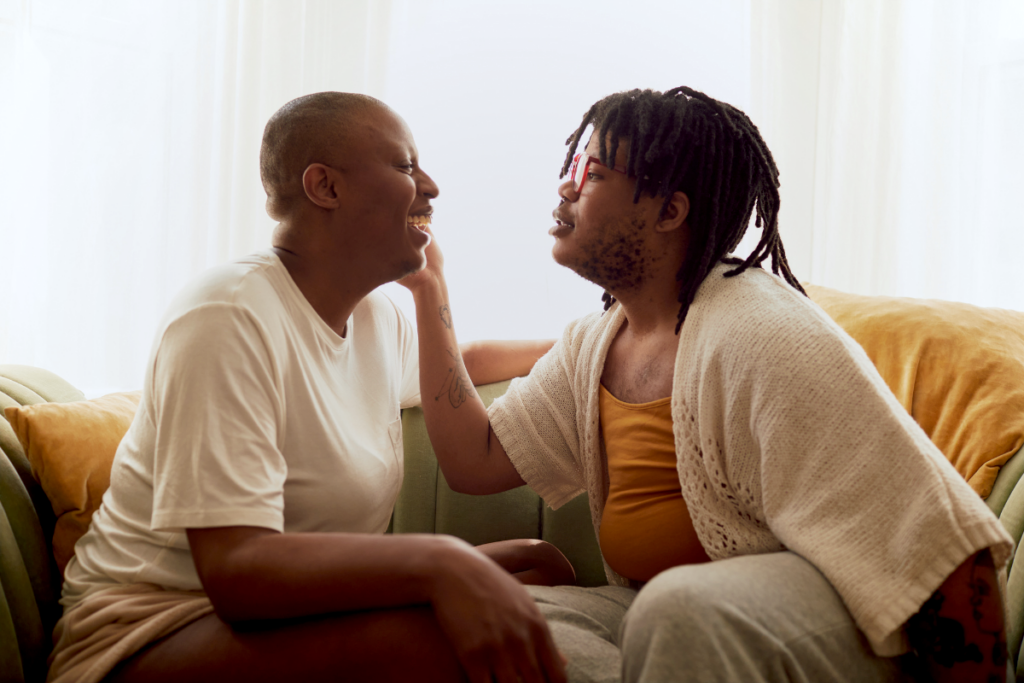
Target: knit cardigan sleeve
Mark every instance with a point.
(796, 410)
(538, 421)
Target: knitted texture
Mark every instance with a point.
(786, 438)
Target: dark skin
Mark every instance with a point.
(313, 606)
(960, 632)
(593, 224)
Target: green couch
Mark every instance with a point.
(30, 582)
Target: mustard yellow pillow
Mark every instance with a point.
(957, 369)
(71, 447)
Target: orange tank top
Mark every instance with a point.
(646, 527)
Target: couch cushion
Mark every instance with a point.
(70, 447)
(957, 369)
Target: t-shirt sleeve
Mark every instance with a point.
(408, 345)
(217, 413)
(851, 482)
(536, 423)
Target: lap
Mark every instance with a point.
(757, 618)
(381, 645)
(780, 591)
(584, 624)
(753, 618)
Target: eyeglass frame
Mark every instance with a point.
(590, 160)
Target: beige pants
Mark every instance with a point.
(108, 627)
(754, 619)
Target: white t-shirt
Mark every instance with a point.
(254, 413)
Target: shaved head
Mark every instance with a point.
(310, 129)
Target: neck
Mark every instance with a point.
(652, 308)
(328, 282)
(652, 305)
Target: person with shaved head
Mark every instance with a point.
(242, 535)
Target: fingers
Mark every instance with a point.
(552, 662)
(497, 668)
(523, 658)
(495, 626)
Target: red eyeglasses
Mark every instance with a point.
(581, 164)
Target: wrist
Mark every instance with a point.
(428, 287)
(446, 558)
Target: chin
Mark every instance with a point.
(566, 262)
(412, 267)
(558, 257)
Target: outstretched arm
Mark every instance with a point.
(495, 361)
(469, 453)
(960, 632)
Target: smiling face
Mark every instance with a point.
(385, 196)
(601, 234)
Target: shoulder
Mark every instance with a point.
(755, 322)
(254, 282)
(377, 315)
(241, 300)
(754, 293)
(578, 356)
(377, 304)
(755, 306)
(583, 332)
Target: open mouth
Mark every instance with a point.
(561, 228)
(419, 222)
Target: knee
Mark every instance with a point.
(675, 620)
(676, 595)
(547, 567)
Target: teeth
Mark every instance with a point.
(419, 221)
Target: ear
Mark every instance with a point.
(320, 184)
(674, 214)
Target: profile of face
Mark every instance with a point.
(599, 232)
(384, 196)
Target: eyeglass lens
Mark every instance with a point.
(579, 165)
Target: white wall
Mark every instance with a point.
(480, 82)
(130, 131)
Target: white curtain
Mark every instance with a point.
(129, 139)
(130, 129)
(897, 129)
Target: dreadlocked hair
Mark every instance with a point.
(683, 140)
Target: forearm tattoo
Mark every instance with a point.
(944, 640)
(446, 316)
(457, 384)
(983, 592)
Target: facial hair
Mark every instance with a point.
(615, 258)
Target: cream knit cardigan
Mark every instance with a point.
(786, 438)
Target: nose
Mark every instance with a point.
(566, 192)
(427, 187)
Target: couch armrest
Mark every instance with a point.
(29, 580)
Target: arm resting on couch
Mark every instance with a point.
(489, 361)
(960, 632)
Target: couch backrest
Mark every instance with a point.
(427, 504)
(1007, 501)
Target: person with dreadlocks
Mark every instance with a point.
(766, 509)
